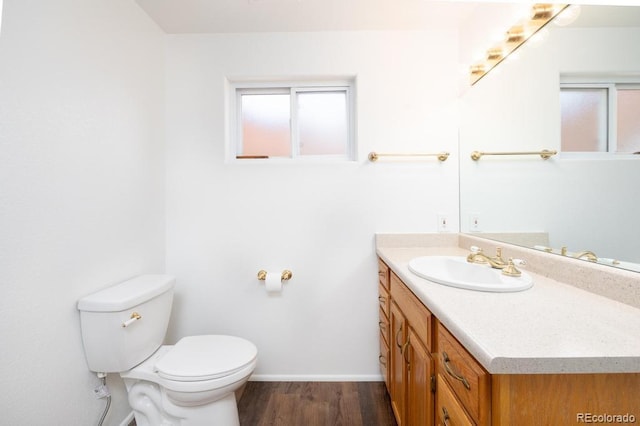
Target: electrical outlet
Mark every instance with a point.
(443, 223)
(474, 222)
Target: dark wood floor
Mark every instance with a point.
(315, 404)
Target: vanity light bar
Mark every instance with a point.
(540, 15)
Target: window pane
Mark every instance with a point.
(584, 119)
(322, 123)
(628, 120)
(265, 125)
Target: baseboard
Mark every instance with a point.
(315, 378)
(127, 420)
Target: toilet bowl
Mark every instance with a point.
(197, 371)
(191, 383)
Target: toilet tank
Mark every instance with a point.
(113, 336)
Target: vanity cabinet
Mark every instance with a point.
(411, 366)
(433, 379)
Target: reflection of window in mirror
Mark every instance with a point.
(294, 121)
(628, 120)
(600, 117)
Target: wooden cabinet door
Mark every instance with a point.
(420, 373)
(397, 344)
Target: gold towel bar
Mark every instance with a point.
(286, 275)
(442, 156)
(544, 154)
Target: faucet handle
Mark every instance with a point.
(511, 270)
(476, 255)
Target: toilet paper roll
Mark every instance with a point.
(273, 282)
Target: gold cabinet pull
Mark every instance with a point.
(404, 354)
(399, 345)
(382, 359)
(452, 373)
(445, 416)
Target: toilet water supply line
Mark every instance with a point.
(102, 391)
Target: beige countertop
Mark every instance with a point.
(553, 327)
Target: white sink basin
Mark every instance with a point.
(455, 271)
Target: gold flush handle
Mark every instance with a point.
(134, 317)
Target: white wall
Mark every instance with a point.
(81, 191)
(227, 221)
(584, 203)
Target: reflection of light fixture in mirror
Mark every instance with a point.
(538, 38)
(568, 15)
(541, 14)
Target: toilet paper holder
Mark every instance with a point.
(286, 275)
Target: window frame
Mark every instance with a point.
(237, 88)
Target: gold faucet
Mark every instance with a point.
(477, 256)
(589, 255)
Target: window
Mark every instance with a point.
(294, 121)
(600, 117)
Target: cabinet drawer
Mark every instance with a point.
(414, 311)
(383, 299)
(449, 412)
(468, 380)
(383, 274)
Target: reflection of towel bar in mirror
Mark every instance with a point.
(442, 156)
(544, 154)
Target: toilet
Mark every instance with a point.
(191, 383)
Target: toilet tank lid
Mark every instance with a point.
(127, 294)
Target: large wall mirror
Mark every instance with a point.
(573, 202)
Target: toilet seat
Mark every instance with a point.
(244, 366)
(203, 358)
